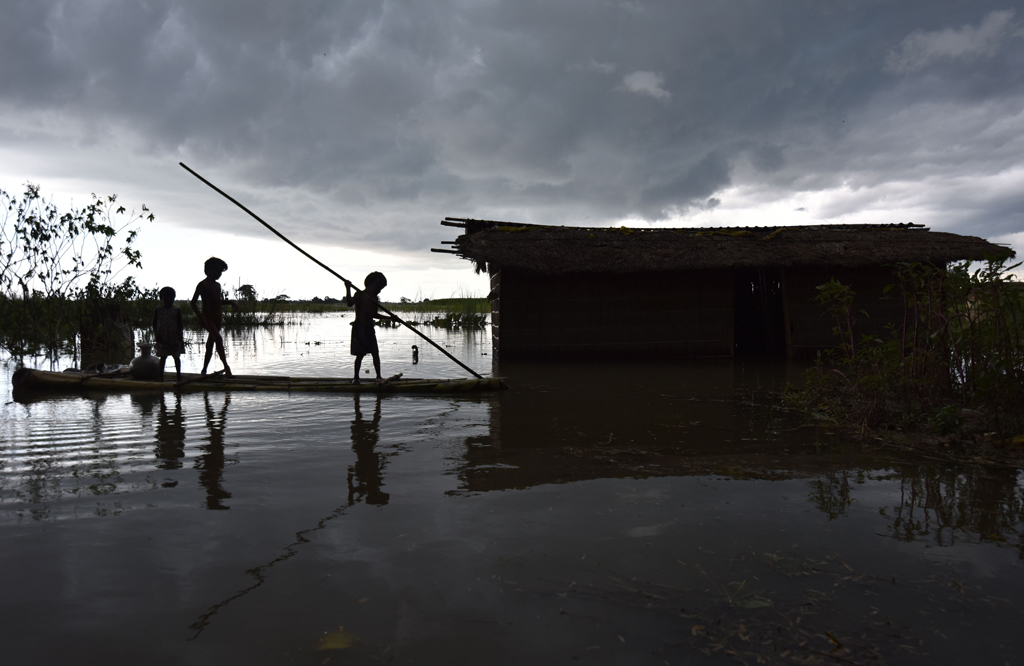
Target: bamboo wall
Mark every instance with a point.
(681, 314)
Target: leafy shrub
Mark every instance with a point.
(60, 271)
(960, 344)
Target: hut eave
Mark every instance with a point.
(561, 250)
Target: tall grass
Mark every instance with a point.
(463, 305)
(452, 314)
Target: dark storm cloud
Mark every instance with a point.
(375, 118)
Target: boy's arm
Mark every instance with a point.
(378, 315)
(349, 301)
(195, 307)
(195, 300)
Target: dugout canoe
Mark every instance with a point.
(72, 381)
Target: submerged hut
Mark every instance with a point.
(696, 292)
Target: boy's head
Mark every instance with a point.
(167, 296)
(375, 282)
(214, 267)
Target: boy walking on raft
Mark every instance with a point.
(212, 316)
(168, 331)
(364, 338)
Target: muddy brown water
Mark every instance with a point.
(599, 513)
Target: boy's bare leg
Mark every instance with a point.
(177, 366)
(359, 362)
(163, 360)
(376, 366)
(209, 353)
(223, 358)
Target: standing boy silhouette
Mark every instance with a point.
(364, 338)
(212, 315)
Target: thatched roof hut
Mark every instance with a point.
(558, 250)
(558, 291)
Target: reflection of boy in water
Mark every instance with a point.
(170, 435)
(366, 476)
(211, 463)
(364, 338)
(212, 316)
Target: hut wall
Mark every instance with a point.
(808, 325)
(495, 298)
(683, 314)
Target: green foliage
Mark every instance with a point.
(837, 300)
(58, 270)
(960, 344)
(946, 420)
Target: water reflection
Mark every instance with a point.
(573, 421)
(559, 425)
(211, 463)
(832, 494)
(145, 403)
(170, 433)
(366, 474)
(564, 425)
(947, 504)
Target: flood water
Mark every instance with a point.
(599, 513)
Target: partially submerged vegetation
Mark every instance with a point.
(952, 370)
(452, 314)
(59, 276)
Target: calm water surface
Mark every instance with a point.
(601, 513)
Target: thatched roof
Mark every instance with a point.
(554, 250)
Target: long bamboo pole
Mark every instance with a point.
(330, 270)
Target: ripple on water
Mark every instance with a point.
(58, 454)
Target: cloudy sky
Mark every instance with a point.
(356, 126)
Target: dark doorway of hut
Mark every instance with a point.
(759, 325)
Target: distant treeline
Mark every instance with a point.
(449, 313)
(453, 314)
(328, 304)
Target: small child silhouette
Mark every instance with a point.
(168, 331)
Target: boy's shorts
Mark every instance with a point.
(364, 339)
(169, 349)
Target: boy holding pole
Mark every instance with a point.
(364, 338)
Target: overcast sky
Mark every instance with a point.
(356, 126)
